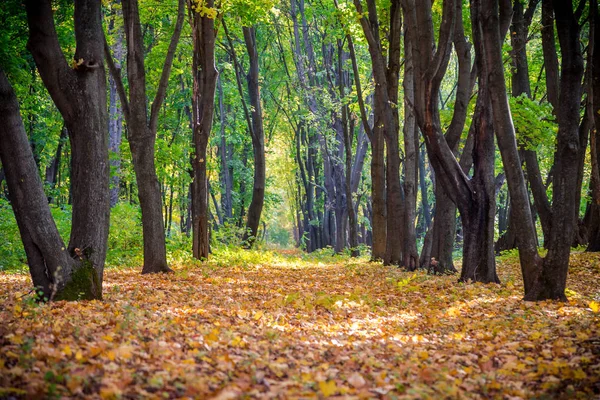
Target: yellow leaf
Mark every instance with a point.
(595, 306)
(18, 308)
(94, 351)
(579, 374)
(108, 338)
(67, 351)
(258, 315)
(423, 355)
(110, 393)
(453, 312)
(111, 355)
(16, 339)
(328, 388)
(124, 352)
(213, 336)
(78, 356)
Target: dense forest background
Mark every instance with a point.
(415, 133)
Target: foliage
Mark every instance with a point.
(125, 237)
(267, 324)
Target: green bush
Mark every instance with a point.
(125, 240)
(12, 254)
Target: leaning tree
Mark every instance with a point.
(79, 91)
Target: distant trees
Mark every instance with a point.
(308, 94)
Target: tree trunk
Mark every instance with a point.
(258, 141)
(348, 131)
(115, 115)
(549, 53)
(505, 135)
(226, 181)
(553, 279)
(50, 264)
(593, 225)
(80, 95)
(396, 229)
(142, 130)
(411, 164)
(203, 103)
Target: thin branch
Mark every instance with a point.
(166, 72)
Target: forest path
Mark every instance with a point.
(302, 327)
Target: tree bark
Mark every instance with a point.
(594, 208)
(115, 114)
(203, 103)
(142, 130)
(80, 95)
(258, 141)
(553, 278)
(226, 200)
(505, 135)
(411, 164)
(50, 264)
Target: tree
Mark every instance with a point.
(203, 104)
(258, 140)
(79, 90)
(142, 129)
(386, 120)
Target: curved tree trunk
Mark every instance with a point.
(80, 95)
(50, 264)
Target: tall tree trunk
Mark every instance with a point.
(227, 184)
(386, 124)
(377, 238)
(203, 103)
(50, 264)
(505, 135)
(258, 141)
(594, 208)
(80, 95)
(411, 164)
(553, 278)
(115, 115)
(348, 130)
(520, 86)
(396, 230)
(142, 130)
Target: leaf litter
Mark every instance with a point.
(303, 328)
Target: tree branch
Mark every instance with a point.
(166, 72)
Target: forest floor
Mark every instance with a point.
(287, 326)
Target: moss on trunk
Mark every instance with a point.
(83, 285)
